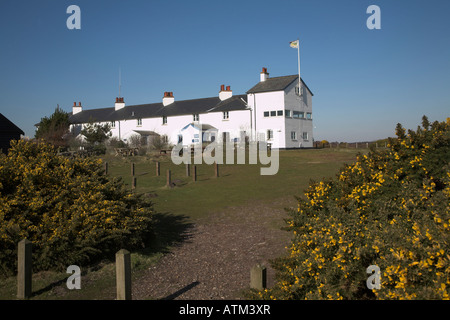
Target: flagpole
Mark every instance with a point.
(299, 81)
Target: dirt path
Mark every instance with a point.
(215, 261)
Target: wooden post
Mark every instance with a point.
(123, 275)
(157, 168)
(188, 170)
(24, 269)
(258, 277)
(194, 174)
(133, 183)
(106, 167)
(217, 169)
(132, 169)
(169, 178)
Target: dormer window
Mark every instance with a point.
(195, 117)
(139, 122)
(164, 120)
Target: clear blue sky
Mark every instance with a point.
(364, 81)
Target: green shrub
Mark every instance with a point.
(70, 210)
(391, 209)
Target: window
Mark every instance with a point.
(180, 138)
(302, 115)
(297, 91)
(296, 114)
(164, 120)
(269, 134)
(287, 113)
(273, 113)
(139, 122)
(293, 135)
(113, 124)
(266, 114)
(196, 117)
(305, 136)
(308, 115)
(226, 115)
(280, 113)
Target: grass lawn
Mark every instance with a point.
(236, 185)
(188, 202)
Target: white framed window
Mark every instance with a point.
(273, 113)
(139, 122)
(309, 115)
(293, 135)
(269, 134)
(302, 115)
(164, 120)
(226, 115)
(287, 113)
(280, 113)
(296, 114)
(195, 117)
(266, 114)
(305, 136)
(113, 124)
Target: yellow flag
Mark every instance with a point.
(294, 44)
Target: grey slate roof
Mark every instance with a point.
(275, 84)
(154, 110)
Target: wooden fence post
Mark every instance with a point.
(123, 275)
(157, 168)
(258, 277)
(194, 174)
(188, 170)
(133, 183)
(169, 178)
(24, 269)
(132, 169)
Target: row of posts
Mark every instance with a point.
(258, 276)
(168, 173)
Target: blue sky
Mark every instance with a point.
(364, 81)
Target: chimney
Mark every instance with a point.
(168, 98)
(119, 104)
(225, 93)
(264, 75)
(76, 109)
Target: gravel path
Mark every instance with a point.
(215, 260)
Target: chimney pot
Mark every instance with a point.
(264, 70)
(79, 103)
(222, 87)
(74, 104)
(228, 88)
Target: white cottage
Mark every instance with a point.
(275, 110)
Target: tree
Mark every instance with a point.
(55, 128)
(96, 133)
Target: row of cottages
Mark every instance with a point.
(275, 110)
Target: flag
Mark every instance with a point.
(294, 44)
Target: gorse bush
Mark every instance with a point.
(69, 209)
(390, 208)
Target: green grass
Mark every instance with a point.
(176, 208)
(236, 185)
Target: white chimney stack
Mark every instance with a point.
(264, 75)
(76, 109)
(119, 104)
(168, 98)
(225, 93)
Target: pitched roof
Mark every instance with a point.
(154, 110)
(275, 84)
(7, 126)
